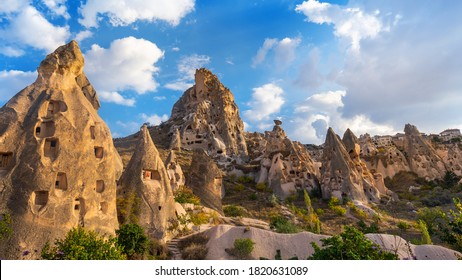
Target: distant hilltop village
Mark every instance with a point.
(198, 172)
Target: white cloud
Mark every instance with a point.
(159, 98)
(82, 35)
(58, 7)
(30, 28)
(350, 23)
(176, 49)
(11, 51)
(325, 109)
(154, 119)
(125, 12)
(128, 64)
(115, 97)
(11, 6)
(266, 101)
(13, 81)
(186, 69)
(283, 50)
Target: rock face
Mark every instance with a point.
(344, 174)
(144, 194)
(286, 166)
(58, 163)
(422, 157)
(206, 180)
(174, 171)
(208, 118)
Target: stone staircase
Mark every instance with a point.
(172, 245)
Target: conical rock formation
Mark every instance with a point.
(343, 172)
(144, 195)
(208, 118)
(61, 166)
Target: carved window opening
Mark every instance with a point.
(104, 207)
(41, 198)
(37, 131)
(77, 204)
(61, 181)
(99, 152)
(92, 132)
(160, 208)
(5, 159)
(99, 186)
(151, 175)
(51, 147)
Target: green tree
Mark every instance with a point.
(351, 244)
(80, 244)
(132, 240)
(425, 239)
(243, 247)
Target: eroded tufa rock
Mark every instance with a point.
(59, 166)
(144, 195)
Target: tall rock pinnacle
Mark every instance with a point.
(62, 165)
(208, 118)
(144, 195)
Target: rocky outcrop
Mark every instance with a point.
(206, 180)
(208, 118)
(285, 165)
(58, 164)
(175, 143)
(174, 171)
(422, 157)
(344, 174)
(144, 195)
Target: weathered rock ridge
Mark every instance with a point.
(48, 132)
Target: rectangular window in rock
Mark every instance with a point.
(99, 186)
(92, 132)
(5, 159)
(99, 151)
(51, 147)
(151, 175)
(61, 181)
(41, 198)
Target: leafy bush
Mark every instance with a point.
(132, 240)
(351, 244)
(186, 195)
(434, 218)
(245, 180)
(253, 196)
(339, 210)
(239, 187)
(283, 225)
(261, 187)
(80, 244)
(234, 211)
(5, 226)
(128, 208)
(364, 228)
(333, 202)
(199, 218)
(243, 247)
(403, 225)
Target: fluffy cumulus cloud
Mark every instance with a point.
(325, 109)
(82, 35)
(115, 97)
(13, 81)
(128, 64)
(57, 7)
(153, 119)
(350, 23)
(26, 26)
(125, 12)
(186, 69)
(267, 100)
(283, 51)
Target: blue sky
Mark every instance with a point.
(371, 66)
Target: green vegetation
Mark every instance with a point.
(262, 187)
(132, 240)
(245, 180)
(234, 211)
(80, 244)
(403, 226)
(186, 195)
(364, 228)
(199, 218)
(351, 244)
(128, 208)
(253, 196)
(425, 239)
(239, 187)
(283, 225)
(312, 218)
(5, 226)
(242, 249)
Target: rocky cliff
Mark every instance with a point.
(144, 195)
(49, 131)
